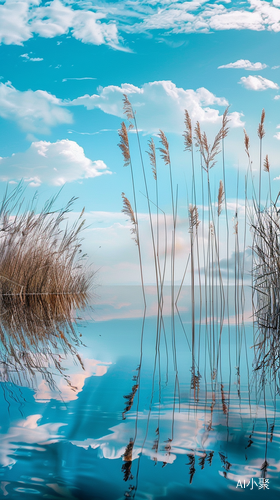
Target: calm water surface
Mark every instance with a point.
(142, 418)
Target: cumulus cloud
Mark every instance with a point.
(161, 104)
(244, 64)
(195, 16)
(20, 20)
(33, 111)
(257, 83)
(51, 163)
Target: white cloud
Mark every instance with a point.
(33, 111)
(160, 104)
(34, 59)
(244, 64)
(20, 20)
(52, 163)
(277, 136)
(275, 67)
(195, 16)
(257, 83)
(277, 97)
(83, 78)
(14, 22)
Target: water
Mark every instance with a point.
(138, 421)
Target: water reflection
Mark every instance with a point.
(37, 334)
(148, 419)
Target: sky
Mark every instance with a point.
(64, 67)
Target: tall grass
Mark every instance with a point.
(37, 256)
(44, 278)
(209, 242)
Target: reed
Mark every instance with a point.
(44, 279)
(37, 256)
(203, 267)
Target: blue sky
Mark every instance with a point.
(64, 68)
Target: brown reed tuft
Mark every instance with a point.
(188, 139)
(225, 121)
(246, 143)
(193, 216)
(266, 165)
(127, 108)
(221, 195)
(124, 144)
(261, 131)
(152, 156)
(165, 149)
(127, 209)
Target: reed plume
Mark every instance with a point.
(225, 122)
(124, 144)
(127, 210)
(188, 139)
(221, 195)
(165, 149)
(152, 156)
(246, 143)
(261, 134)
(261, 131)
(127, 108)
(266, 165)
(193, 218)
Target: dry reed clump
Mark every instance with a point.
(43, 280)
(266, 275)
(37, 257)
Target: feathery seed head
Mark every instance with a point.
(165, 149)
(127, 210)
(266, 164)
(152, 156)
(124, 144)
(193, 216)
(221, 194)
(261, 131)
(246, 143)
(226, 120)
(188, 140)
(127, 108)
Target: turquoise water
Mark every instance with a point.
(145, 420)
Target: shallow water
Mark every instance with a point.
(141, 422)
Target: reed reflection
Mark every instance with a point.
(36, 335)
